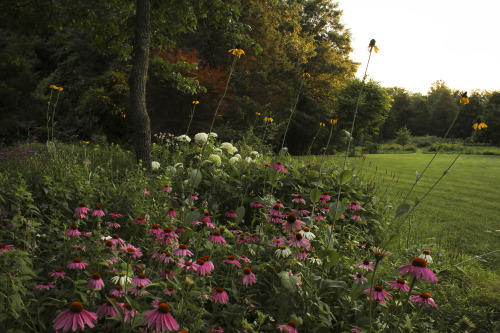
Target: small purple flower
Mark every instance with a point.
(219, 295)
(231, 214)
(399, 284)
(366, 265)
(358, 278)
(423, 298)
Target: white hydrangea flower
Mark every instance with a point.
(233, 160)
(217, 151)
(215, 159)
(183, 138)
(155, 165)
(249, 160)
(212, 135)
(254, 154)
(229, 148)
(201, 138)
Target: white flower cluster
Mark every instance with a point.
(183, 138)
(229, 148)
(201, 138)
(155, 165)
(236, 158)
(215, 159)
(212, 135)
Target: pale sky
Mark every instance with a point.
(424, 41)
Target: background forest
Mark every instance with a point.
(86, 48)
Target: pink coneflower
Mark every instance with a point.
(325, 209)
(155, 230)
(275, 211)
(73, 317)
(118, 291)
(217, 329)
(115, 215)
(160, 255)
(182, 251)
(291, 327)
(325, 196)
(145, 192)
(179, 229)
(140, 280)
(166, 188)
(160, 319)
(356, 217)
(279, 167)
(81, 210)
(203, 268)
(167, 273)
(139, 291)
(107, 309)
(423, 298)
(231, 214)
(216, 238)
(128, 312)
(297, 240)
(171, 212)
(208, 263)
(379, 294)
(45, 285)
(242, 239)
(253, 238)
(248, 278)
(169, 236)
(206, 216)
(318, 217)
(113, 225)
(418, 270)
(244, 258)
(98, 211)
(234, 230)
(132, 251)
(169, 291)
(95, 282)
(232, 260)
(274, 219)
(277, 241)
(77, 263)
(366, 265)
(204, 223)
(299, 199)
(358, 278)
(292, 224)
(399, 284)
(57, 273)
(73, 231)
(115, 239)
(300, 211)
(5, 248)
(353, 206)
(218, 295)
(256, 204)
(302, 255)
(140, 220)
(194, 196)
(188, 265)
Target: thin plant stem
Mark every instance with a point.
(326, 148)
(47, 115)
(54, 114)
(291, 112)
(191, 118)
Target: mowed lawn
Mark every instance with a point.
(461, 214)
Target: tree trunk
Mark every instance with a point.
(137, 83)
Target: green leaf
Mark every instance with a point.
(345, 176)
(195, 178)
(329, 256)
(402, 209)
(392, 239)
(315, 195)
(336, 210)
(240, 212)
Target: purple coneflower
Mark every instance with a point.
(194, 196)
(113, 225)
(179, 229)
(231, 214)
(379, 294)
(81, 210)
(155, 230)
(418, 270)
(256, 204)
(297, 240)
(232, 260)
(57, 273)
(166, 188)
(73, 231)
(299, 199)
(302, 255)
(248, 278)
(45, 285)
(167, 273)
(169, 291)
(244, 258)
(325, 196)
(182, 251)
(188, 265)
(242, 239)
(115, 215)
(218, 295)
(204, 223)
(128, 312)
(77, 263)
(216, 238)
(217, 329)
(275, 211)
(292, 224)
(353, 206)
(300, 211)
(139, 291)
(5, 248)
(132, 251)
(291, 327)
(140, 280)
(358, 278)
(399, 284)
(208, 263)
(95, 282)
(366, 265)
(206, 216)
(279, 167)
(118, 291)
(160, 319)
(423, 298)
(356, 217)
(169, 236)
(140, 220)
(115, 239)
(107, 309)
(277, 241)
(73, 317)
(98, 211)
(171, 212)
(234, 230)
(253, 238)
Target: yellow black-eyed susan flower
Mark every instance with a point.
(464, 99)
(237, 52)
(53, 86)
(196, 102)
(306, 76)
(333, 121)
(372, 46)
(258, 113)
(479, 126)
(322, 124)
(268, 119)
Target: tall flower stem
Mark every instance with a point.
(292, 110)
(332, 121)
(371, 292)
(191, 116)
(407, 300)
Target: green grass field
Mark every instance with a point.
(461, 214)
